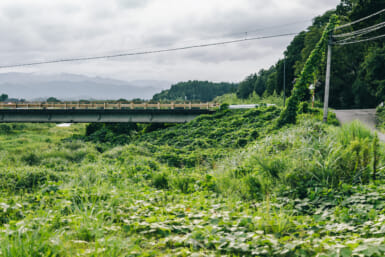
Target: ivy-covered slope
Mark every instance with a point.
(209, 137)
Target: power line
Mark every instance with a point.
(342, 42)
(266, 28)
(362, 31)
(353, 37)
(359, 20)
(357, 36)
(145, 52)
(232, 35)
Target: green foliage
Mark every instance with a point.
(25, 180)
(303, 107)
(253, 99)
(301, 91)
(3, 97)
(376, 155)
(357, 70)
(31, 159)
(246, 87)
(209, 137)
(258, 84)
(161, 180)
(52, 100)
(380, 118)
(191, 189)
(113, 133)
(5, 129)
(353, 131)
(195, 91)
(185, 183)
(372, 72)
(224, 107)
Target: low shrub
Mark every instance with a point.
(252, 187)
(160, 180)
(184, 182)
(25, 180)
(5, 129)
(31, 159)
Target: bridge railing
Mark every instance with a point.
(109, 106)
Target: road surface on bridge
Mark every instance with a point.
(366, 116)
(78, 112)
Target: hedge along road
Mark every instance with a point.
(366, 116)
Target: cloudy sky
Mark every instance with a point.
(42, 30)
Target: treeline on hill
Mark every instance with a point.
(195, 91)
(358, 70)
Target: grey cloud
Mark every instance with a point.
(14, 12)
(130, 4)
(91, 28)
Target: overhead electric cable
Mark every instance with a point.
(357, 41)
(359, 20)
(356, 37)
(362, 31)
(145, 52)
(266, 28)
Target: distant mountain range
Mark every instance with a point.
(31, 86)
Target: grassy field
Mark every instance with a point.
(228, 184)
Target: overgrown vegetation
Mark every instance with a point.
(227, 184)
(301, 92)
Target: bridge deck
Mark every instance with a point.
(107, 105)
(103, 112)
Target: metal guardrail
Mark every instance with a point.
(108, 106)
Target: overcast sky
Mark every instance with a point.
(41, 30)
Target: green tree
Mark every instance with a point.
(3, 97)
(53, 100)
(261, 84)
(271, 84)
(372, 72)
(246, 87)
(195, 91)
(292, 56)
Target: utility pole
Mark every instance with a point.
(327, 81)
(284, 81)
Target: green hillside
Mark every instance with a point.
(195, 91)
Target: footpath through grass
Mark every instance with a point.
(227, 184)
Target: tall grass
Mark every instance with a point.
(353, 131)
(298, 159)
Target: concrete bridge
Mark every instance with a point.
(103, 112)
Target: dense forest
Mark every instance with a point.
(195, 90)
(358, 70)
